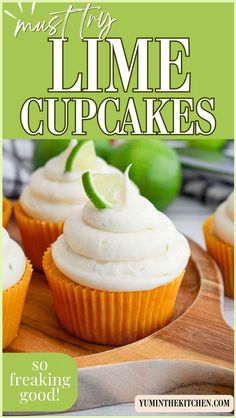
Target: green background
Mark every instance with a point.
(27, 59)
(21, 364)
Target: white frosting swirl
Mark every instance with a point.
(128, 248)
(14, 261)
(224, 221)
(53, 194)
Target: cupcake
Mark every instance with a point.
(17, 272)
(6, 211)
(53, 193)
(115, 272)
(219, 236)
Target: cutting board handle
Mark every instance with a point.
(200, 334)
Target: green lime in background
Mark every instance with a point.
(156, 169)
(209, 144)
(44, 149)
(103, 147)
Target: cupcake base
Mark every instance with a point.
(6, 211)
(36, 235)
(13, 303)
(111, 318)
(222, 253)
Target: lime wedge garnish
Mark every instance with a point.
(82, 157)
(105, 190)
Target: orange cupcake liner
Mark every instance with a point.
(103, 317)
(222, 253)
(36, 235)
(6, 211)
(13, 303)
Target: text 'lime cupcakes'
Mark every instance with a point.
(17, 272)
(53, 193)
(115, 271)
(219, 236)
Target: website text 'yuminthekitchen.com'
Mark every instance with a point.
(184, 403)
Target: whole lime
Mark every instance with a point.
(103, 147)
(44, 149)
(156, 169)
(48, 148)
(210, 144)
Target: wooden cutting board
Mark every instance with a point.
(197, 332)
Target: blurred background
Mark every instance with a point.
(185, 179)
(201, 169)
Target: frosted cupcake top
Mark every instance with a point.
(53, 194)
(130, 247)
(14, 261)
(224, 221)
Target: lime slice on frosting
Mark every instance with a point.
(105, 190)
(82, 157)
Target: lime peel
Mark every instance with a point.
(105, 190)
(82, 157)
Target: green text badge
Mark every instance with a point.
(39, 382)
